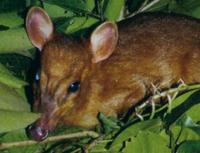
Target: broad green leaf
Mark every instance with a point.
(151, 125)
(22, 93)
(181, 104)
(17, 136)
(14, 41)
(72, 5)
(11, 19)
(54, 11)
(90, 4)
(196, 12)
(13, 120)
(185, 121)
(165, 135)
(76, 24)
(185, 133)
(194, 113)
(11, 99)
(146, 142)
(113, 9)
(7, 78)
(182, 98)
(189, 147)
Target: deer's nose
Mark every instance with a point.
(36, 132)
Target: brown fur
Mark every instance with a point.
(154, 49)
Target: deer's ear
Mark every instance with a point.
(39, 27)
(103, 41)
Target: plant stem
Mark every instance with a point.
(163, 94)
(144, 7)
(50, 139)
(93, 143)
(155, 98)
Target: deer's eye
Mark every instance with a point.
(73, 87)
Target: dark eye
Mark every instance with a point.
(73, 87)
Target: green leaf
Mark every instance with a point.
(11, 19)
(54, 11)
(108, 123)
(90, 4)
(193, 112)
(11, 99)
(189, 147)
(196, 12)
(184, 6)
(7, 78)
(184, 133)
(13, 120)
(77, 23)
(185, 121)
(182, 98)
(181, 104)
(72, 5)
(132, 130)
(146, 142)
(14, 41)
(192, 87)
(113, 9)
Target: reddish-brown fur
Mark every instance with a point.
(156, 49)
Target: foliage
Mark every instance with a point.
(169, 128)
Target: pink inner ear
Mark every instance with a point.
(35, 20)
(103, 41)
(101, 38)
(43, 25)
(39, 27)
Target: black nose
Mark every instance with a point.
(36, 133)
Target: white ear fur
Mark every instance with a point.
(39, 27)
(103, 41)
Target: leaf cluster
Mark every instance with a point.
(172, 127)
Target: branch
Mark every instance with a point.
(149, 5)
(50, 139)
(170, 94)
(144, 7)
(163, 94)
